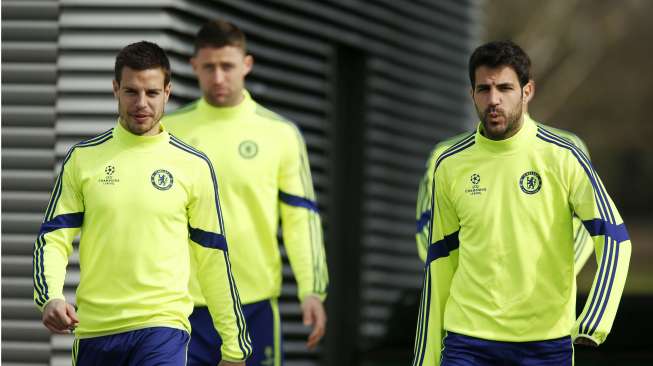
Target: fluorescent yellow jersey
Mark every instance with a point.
(500, 265)
(264, 176)
(583, 242)
(137, 201)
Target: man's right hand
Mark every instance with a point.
(59, 317)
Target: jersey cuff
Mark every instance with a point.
(50, 300)
(320, 297)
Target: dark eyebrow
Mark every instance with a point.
(503, 85)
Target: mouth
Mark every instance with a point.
(220, 92)
(141, 117)
(493, 115)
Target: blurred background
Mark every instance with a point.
(373, 85)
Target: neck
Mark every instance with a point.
(228, 104)
(519, 138)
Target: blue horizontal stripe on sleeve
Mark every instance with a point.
(601, 227)
(64, 221)
(423, 220)
(297, 201)
(208, 239)
(442, 248)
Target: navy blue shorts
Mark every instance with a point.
(462, 350)
(264, 327)
(158, 346)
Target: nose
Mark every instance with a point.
(494, 97)
(141, 100)
(218, 76)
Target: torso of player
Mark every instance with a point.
(134, 238)
(516, 243)
(135, 190)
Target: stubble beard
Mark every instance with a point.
(230, 100)
(512, 122)
(219, 102)
(133, 126)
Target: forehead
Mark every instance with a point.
(151, 78)
(212, 54)
(495, 75)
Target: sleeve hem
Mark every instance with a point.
(41, 308)
(304, 295)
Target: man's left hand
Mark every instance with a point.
(584, 341)
(315, 315)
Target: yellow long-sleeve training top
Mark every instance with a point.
(264, 177)
(137, 200)
(583, 242)
(502, 219)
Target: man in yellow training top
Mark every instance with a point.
(137, 194)
(499, 272)
(264, 177)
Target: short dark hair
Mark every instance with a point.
(220, 33)
(142, 55)
(501, 53)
